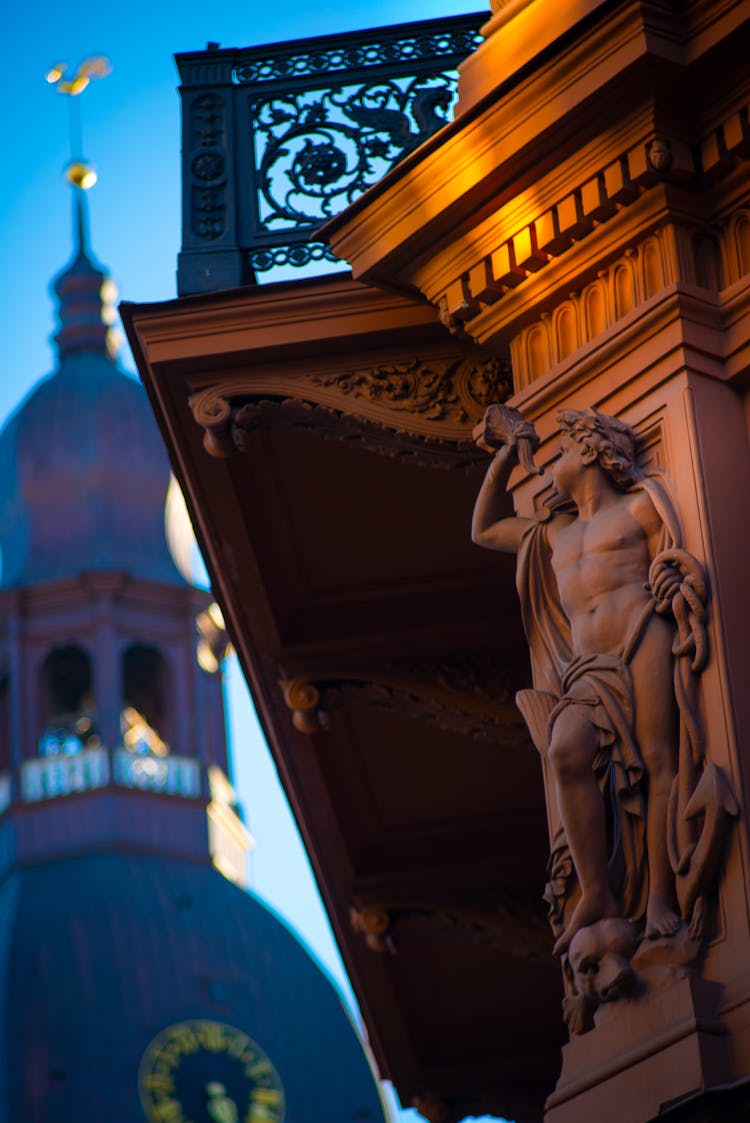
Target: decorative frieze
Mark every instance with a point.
(706, 256)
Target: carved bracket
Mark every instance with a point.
(424, 410)
(472, 695)
(514, 925)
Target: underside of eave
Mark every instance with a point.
(348, 569)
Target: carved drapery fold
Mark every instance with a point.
(422, 409)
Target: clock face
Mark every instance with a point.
(207, 1072)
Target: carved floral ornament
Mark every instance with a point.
(425, 409)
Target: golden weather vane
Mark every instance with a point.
(79, 171)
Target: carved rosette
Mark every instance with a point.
(422, 409)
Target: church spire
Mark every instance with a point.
(85, 291)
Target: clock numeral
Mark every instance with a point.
(266, 1096)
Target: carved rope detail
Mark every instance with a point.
(424, 408)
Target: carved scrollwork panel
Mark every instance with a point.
(318, 150)
(422, 409)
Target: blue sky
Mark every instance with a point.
(131, 132)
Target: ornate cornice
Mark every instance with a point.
(551, 233)
(472, 695)
(422, 408)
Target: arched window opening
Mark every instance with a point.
(146, 692)
(4, 720)
(66, 693)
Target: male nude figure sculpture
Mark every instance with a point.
(613, 653)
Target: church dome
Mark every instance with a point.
(147, 958)
(83, 471)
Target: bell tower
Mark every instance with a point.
(136, 982)
(111, 733)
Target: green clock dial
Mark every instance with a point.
(208, 1072)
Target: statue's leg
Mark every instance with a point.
(655, 731)
(572, 750)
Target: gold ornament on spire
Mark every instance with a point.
(95, 67)
(79, 172)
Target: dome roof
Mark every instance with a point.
(83, 471)
(132, 945)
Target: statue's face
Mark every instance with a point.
(569, 464)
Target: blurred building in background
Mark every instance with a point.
(138, 978)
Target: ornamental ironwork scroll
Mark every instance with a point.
(317, 151)
(310, 125)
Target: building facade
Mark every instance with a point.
(572, 245)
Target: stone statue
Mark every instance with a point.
(614, 612)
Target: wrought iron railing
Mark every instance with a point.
(277, 139)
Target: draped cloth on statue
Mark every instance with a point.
(602, 683)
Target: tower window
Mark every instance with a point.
(4, 719)
(146, 692)
(66, 693)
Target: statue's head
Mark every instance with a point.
(609, 442)
(599, 960)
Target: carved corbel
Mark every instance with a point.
(471, 695)
(514, 926)
(424, 409)
(303, 699)
(375, 925)
(213, 412)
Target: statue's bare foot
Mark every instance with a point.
(662, 919)
(592, 907)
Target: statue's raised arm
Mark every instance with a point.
(512, 440)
